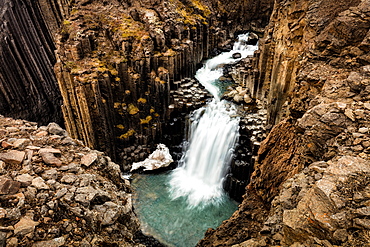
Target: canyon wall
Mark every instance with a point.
(28, 87)
(116, 63)
(313, 79)
(119, 60)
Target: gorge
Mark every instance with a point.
(120, 81)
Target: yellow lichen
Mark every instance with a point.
(113, 72)
(66, 22)
(129, 133)
(120, 126)
(146, 120)
(207, 12)
(152, 110)
(141, 100)
(126, 27)
(117, 105)
(132, 110)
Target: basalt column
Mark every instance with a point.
(28, 88)
(116, 64)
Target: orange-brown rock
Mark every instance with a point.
(313, 70)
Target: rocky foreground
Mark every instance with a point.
(56, 192)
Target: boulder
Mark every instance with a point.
(25, 226)
(252, 39)
(55, 129)
(9, 186)
(237, 55)
(48, 156)
(13, 157)
(88, 159)
(24, 179)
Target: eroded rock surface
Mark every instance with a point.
(80, 200)
(118, 62)
(313, 76)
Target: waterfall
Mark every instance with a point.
(213, 134)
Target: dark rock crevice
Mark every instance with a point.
(27, 82)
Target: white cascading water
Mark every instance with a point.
(212, 137)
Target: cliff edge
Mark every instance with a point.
(54, 191)
(310, 181)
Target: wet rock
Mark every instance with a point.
(160, 158)
(237, 55)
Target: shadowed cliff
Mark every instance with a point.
(28, 87)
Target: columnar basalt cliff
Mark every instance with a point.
(118, 61)
(28, 87)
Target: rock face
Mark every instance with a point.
(28, 87)
(119, 61)
(313, 75)
(81, 200)
(311, 31)
(115, 64)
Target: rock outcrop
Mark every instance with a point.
(118, 62)
(56, 192)
(314, 71)
(28, 87)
